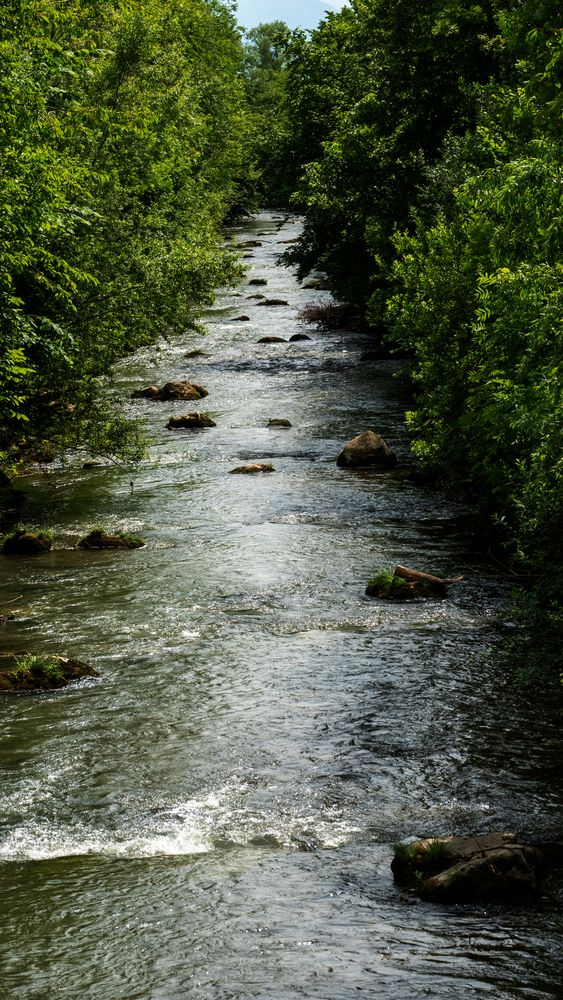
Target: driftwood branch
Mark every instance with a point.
(415, 576)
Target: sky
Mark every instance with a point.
(295, 13)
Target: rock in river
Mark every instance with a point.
(258, 281)
(367, 450)
(279, 422)
(40, 673)
(249, 470)
(273, 302)
(298, 336)
(494, 867)
(240, 319)
(27, 543)
(171, 390)
(272, 340)
(100, 539)
(190, 421)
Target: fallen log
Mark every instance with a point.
(415, 576)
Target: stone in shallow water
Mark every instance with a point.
(240, 319)
(255, 467)
(279, 422)
(298, 336)
(172, 390)
(190, 421)
(273, 302)
(258, 281)
(272, 340)
(365, 451)
(99, 539)
(41, 673)
(495, 867)
(27, 543)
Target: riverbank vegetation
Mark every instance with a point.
(122, 139)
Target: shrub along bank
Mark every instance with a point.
(122, 130)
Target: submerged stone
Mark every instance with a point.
(240, 319)
(258, 281)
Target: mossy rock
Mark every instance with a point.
(100, 539)
(493, 867)
(32, 672)
(388, 587)
(252, 469)
(27, 543)
(190, 422)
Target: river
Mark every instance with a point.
(213, 818)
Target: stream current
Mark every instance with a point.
(213, 818)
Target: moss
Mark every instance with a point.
(22, 541)
(384, 583)
(100, 539)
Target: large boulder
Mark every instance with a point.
(172, 390)
(190, 421)
(367, 450)
(298, 336)
(272, 340)
(495, 867)
(27, 543)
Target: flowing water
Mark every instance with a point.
(213, 818)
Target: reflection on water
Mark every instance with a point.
(213, 818)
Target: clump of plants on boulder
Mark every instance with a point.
(23, 542)
(100, 539)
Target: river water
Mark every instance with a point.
(214, 817)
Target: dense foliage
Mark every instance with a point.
(432, 179)
(121, 128)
